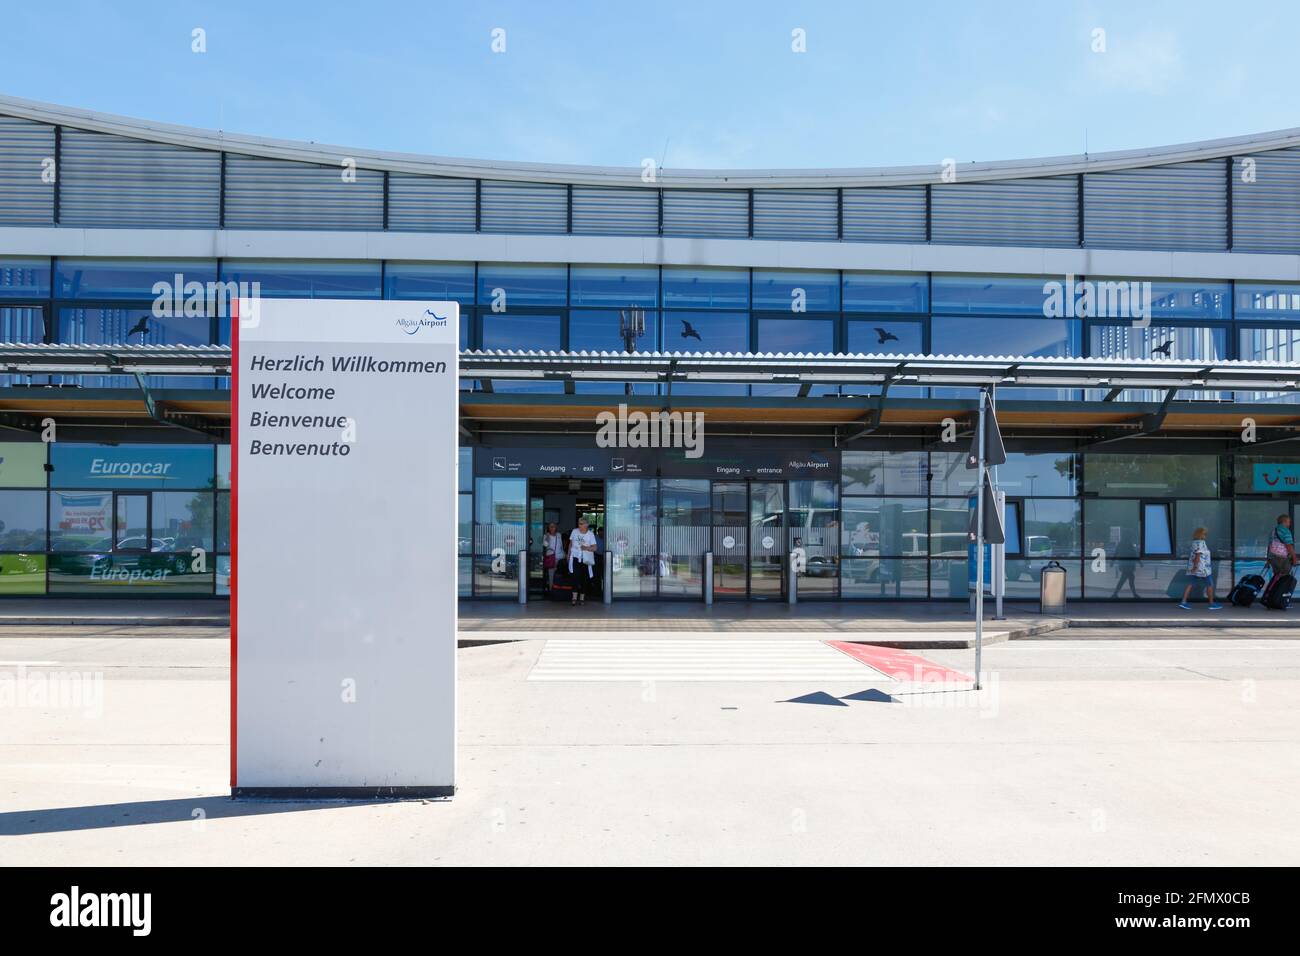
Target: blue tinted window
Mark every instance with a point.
(692, 288)
(21, 324)
(597, 330)
(1190, 300)
(306, 280)
(780, 291)
(132, 327)
(796, 335)
(450, 281)
(706, 332)
(879, 292)
(1171, 342)
(868, 336)
(522, 285)
(24, 278)
(976, 336)
(126, 278)
(991, 295)
(1011, 526)
(614, 286)
(520, 330)
(1156, 536)
(1273, 300)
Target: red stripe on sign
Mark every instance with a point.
(234, 543)
(900, 664)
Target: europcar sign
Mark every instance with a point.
(343, 597)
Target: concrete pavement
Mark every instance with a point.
(1078, 752)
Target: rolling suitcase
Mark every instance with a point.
(1277, 596)
(1246, 590)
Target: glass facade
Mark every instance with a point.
(577, 308)
(891, 525)
(96, 519)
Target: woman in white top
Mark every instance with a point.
(582, 550)
(552, 552)
(1198, 568)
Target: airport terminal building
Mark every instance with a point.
(819, 336)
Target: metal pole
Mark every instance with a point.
(979, 547)
(608, 581)
(708, 579)
(999, 550)
(523, 577)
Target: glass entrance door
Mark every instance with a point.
(730, 539)
(767, 540)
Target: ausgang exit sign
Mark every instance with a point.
(343, 591)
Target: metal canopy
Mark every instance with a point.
(25, 359)
(897, 370)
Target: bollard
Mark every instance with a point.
(708, 578)
(794, 582)
(608, 580)
(523, 577)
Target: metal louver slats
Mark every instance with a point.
(891, 214)
(796, 213)
(276, 194)
(525, 208)
(1177, 207)
(25, 200)
(1266, 202)
(430, 203)
(1024, 212)
(602, 211)
(112, 181)
(706, 213)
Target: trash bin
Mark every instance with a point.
(1051, 589)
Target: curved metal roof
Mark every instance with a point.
(631, 176)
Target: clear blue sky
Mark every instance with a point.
(714, 83)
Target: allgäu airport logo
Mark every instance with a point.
(430, 320)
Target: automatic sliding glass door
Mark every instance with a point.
(767, 540)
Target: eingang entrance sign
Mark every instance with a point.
(343, 595)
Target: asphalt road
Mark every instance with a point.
(1153, 749)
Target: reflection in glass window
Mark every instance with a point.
(796, 292)
(631, 518)
(882, 336)
(1156, 476)
(1029, 475)
(1214, 515)
(706, 332)
(1156, 537)
(500, 515)
(22, 520)
(815, 526)
(949, 474)
(520, 330)
(24, 278)
(515, 285)
(1051, 527)
(1269, 345)
(1174, 299)
(987, 336)
(126, 278)
(22, 324)
(702, 288)
(1273, 300)
(949, 523)
(991, 295)
(296, 279)
(884, 472)
(889, 579)
(449, 281)
(182, 520)
(597, 330)
(684, 530)
(617, 287)
(223, 522)
(883, 527)
(81, 521)
(881, 292)
(814, 336)
(1011, 526)
(112, 326)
